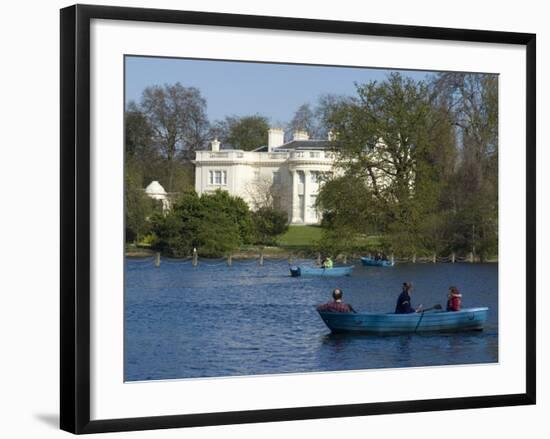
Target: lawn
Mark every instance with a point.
(300, 236)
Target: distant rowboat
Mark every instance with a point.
(467, 319)
(296, 271)
(376, 262)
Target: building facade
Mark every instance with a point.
(285, 175)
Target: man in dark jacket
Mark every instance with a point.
(404, 305)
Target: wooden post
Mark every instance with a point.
(345, 258)
(157, 260)
(434, 259)
(229, 260)
(261, 257)
(318, 258)
(392, 259)
(453, 257)
(471, 257)
(290, 258)
(195, 257)
(414, 259)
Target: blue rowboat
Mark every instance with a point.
(467, 319)
(317, 271)
(378, 263)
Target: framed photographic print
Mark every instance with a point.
(268, 218)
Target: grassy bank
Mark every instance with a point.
(300, 236)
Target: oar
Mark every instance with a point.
(436, 306)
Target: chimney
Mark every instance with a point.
(215, 144)
(275, 138)
(300, 135)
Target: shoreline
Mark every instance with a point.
(297, 253)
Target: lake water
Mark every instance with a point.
(214, 320)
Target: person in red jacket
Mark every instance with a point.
(454, 299)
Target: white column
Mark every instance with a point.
(294, 197)
(307, 190)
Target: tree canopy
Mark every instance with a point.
(215, 224)
(418, 163)
(245, 132)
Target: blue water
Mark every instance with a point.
(183, 322)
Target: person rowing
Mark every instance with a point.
(404, 305)
(327, 263)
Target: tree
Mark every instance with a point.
(246, 132)
(177, 117)
(383, 140)
(269, 223)
(215, 224)
(235, 209)
(264, 192)
(303, 120)
(138, 207)
(140, 155)
(472, 195)
(327, 106)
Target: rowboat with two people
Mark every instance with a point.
(365, 260)
(303, 270)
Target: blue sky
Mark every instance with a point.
(244, 88)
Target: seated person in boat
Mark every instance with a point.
(404, 305)
(454, 299)
(336, 305)
(327, 263)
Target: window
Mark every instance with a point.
(315, 177)
(218, 178)
(314, 154)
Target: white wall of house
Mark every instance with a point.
(291, 175)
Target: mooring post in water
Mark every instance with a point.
(434, 258)
(290, 258)
(453, 257)
(392, 259)
(345, 258)
(229, 260)
(318, 258)
(414, 259)
(195, 257)
(157, 259)
(472, 257)
(261, 257)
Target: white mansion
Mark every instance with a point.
(287, 174)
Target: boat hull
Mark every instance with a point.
(374, 263)
(314, 271)
(468, 319)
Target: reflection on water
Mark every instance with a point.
(182, 322)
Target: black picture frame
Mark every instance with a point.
(75, 217)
